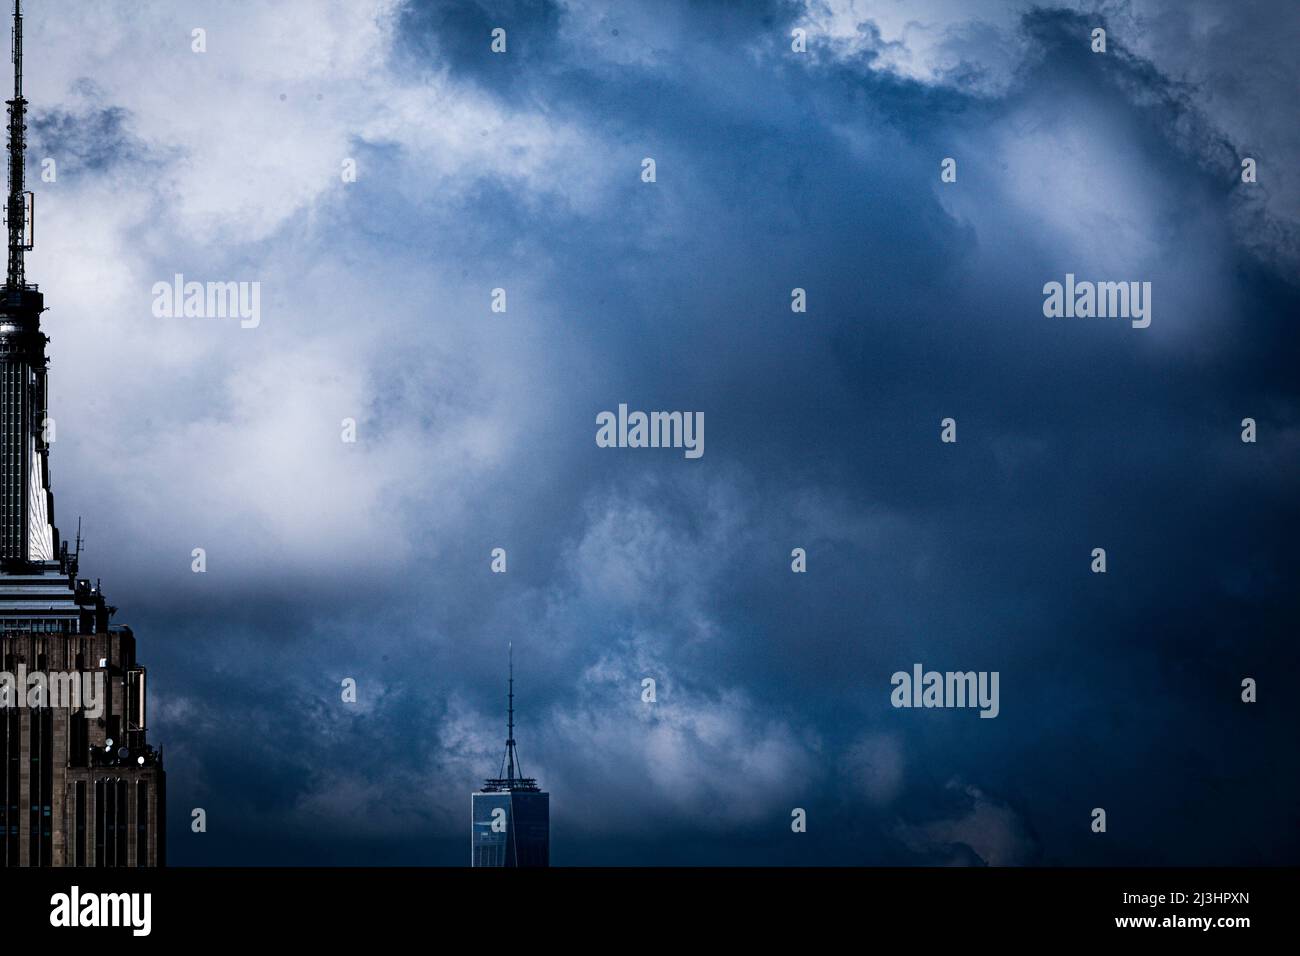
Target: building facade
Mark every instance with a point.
(512, 828)
(79, 783)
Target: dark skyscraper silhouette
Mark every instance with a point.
(511, 814)
(79, 785)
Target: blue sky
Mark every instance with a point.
(775, 170)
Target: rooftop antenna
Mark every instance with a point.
(511, 773)
(510, 725)
(21, 203)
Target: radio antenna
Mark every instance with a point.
(16, 212)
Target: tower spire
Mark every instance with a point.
(16, 210)
(510, 772)
(26, 517)
(512, 814)
(510, 720)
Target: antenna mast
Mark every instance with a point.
(511, 772)
(510, 726)
(16, 211)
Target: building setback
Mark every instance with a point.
(78, 786)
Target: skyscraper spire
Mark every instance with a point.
(511, 773)
(511, 813)
(17, 213)
(26, 508)
(510, 719)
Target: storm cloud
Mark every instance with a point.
(775, 170)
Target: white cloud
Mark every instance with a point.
(710, 757)
(194, 432)
(1229, 69)
(934, 41)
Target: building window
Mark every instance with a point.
(123, 831)
(101, 822)
(141, 824)
(80, 797)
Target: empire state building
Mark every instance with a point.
(79, 783)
